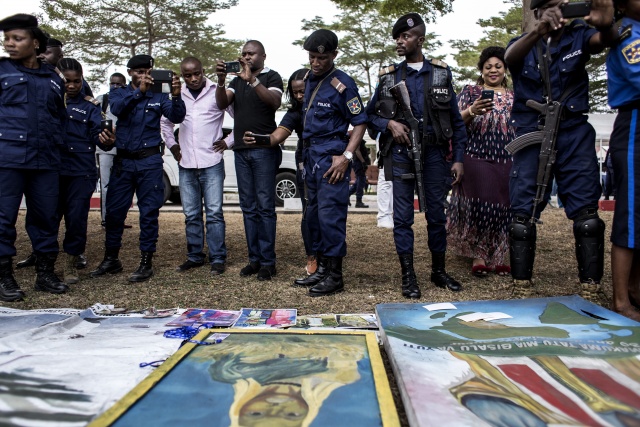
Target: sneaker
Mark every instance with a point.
(252, 268)
(523, 289)
(385, 223)
(266, 272)
(188, 265)
(217, 268)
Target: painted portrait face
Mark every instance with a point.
(274, 407)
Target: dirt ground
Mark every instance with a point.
(371, 270)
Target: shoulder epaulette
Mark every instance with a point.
(92, 100)
(59, 73)
(438, 63)
(625, 33)
(338, 85)
(386, 70)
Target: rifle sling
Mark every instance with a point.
(545, 74)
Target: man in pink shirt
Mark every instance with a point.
(199, 154)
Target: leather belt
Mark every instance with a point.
(139, 154)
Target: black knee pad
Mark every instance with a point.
(522, 248)
(588, 230)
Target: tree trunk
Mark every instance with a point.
(528, 19)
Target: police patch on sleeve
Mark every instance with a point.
(632, 52)
(354, 105)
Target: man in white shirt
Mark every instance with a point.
(199, 154)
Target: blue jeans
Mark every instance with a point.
(256, 170)
(196, 184)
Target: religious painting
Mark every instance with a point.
(536, 362)
(264, 378)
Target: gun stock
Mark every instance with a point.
(401, 95)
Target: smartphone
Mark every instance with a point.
(232, 67)
(106, 124)
(487, 94)
(576, 9)
(162, 80)
(262, 139)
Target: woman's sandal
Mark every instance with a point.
(502, 270)
(480, 270)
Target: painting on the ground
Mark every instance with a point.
(537, 362)
(265, 378)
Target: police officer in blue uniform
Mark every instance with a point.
(429, 83)
(331, 104)
(32, 114)
(623, 70)
(138, 164)
(565, 47)
(78, 175)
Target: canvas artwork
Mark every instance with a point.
(266, 318)
(200, 316)
(265, 378)
(540, 362)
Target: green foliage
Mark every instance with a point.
(103, 33)
(430, 9)
(498, 31)
(365, 43)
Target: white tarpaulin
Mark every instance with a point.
(63, 367)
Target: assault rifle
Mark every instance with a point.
(547, 138)
(401, 94)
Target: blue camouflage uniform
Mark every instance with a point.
(78, 175)
(138, 132)
(32, 114)
(623, 69)
(576, 169)
(436, 165)
(326, 122)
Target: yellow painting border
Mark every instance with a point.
(388, 411)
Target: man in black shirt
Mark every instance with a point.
(255, 94)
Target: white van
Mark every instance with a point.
(286, 183)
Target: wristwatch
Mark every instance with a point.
(348, 155)
(255, 83)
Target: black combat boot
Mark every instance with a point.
(439, 276)
(110, 263)
(332, 282)
(9, 288)
(317, 277)
(29, 261)
(46, 278)
(410, 287)
(145, 269)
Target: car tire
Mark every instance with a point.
(175, 197)
(286, 187)
(167, 188)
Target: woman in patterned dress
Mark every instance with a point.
(479, 211)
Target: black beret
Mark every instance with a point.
(54, 42)
(406, 22)
(21, 21)
(537, 3)
(140, 61)
(321, 41)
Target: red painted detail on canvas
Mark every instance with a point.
(526, 376)
(608, 385)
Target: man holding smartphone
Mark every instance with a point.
(549, 64)
(256, 94)
(137, 167)
(199, 154)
